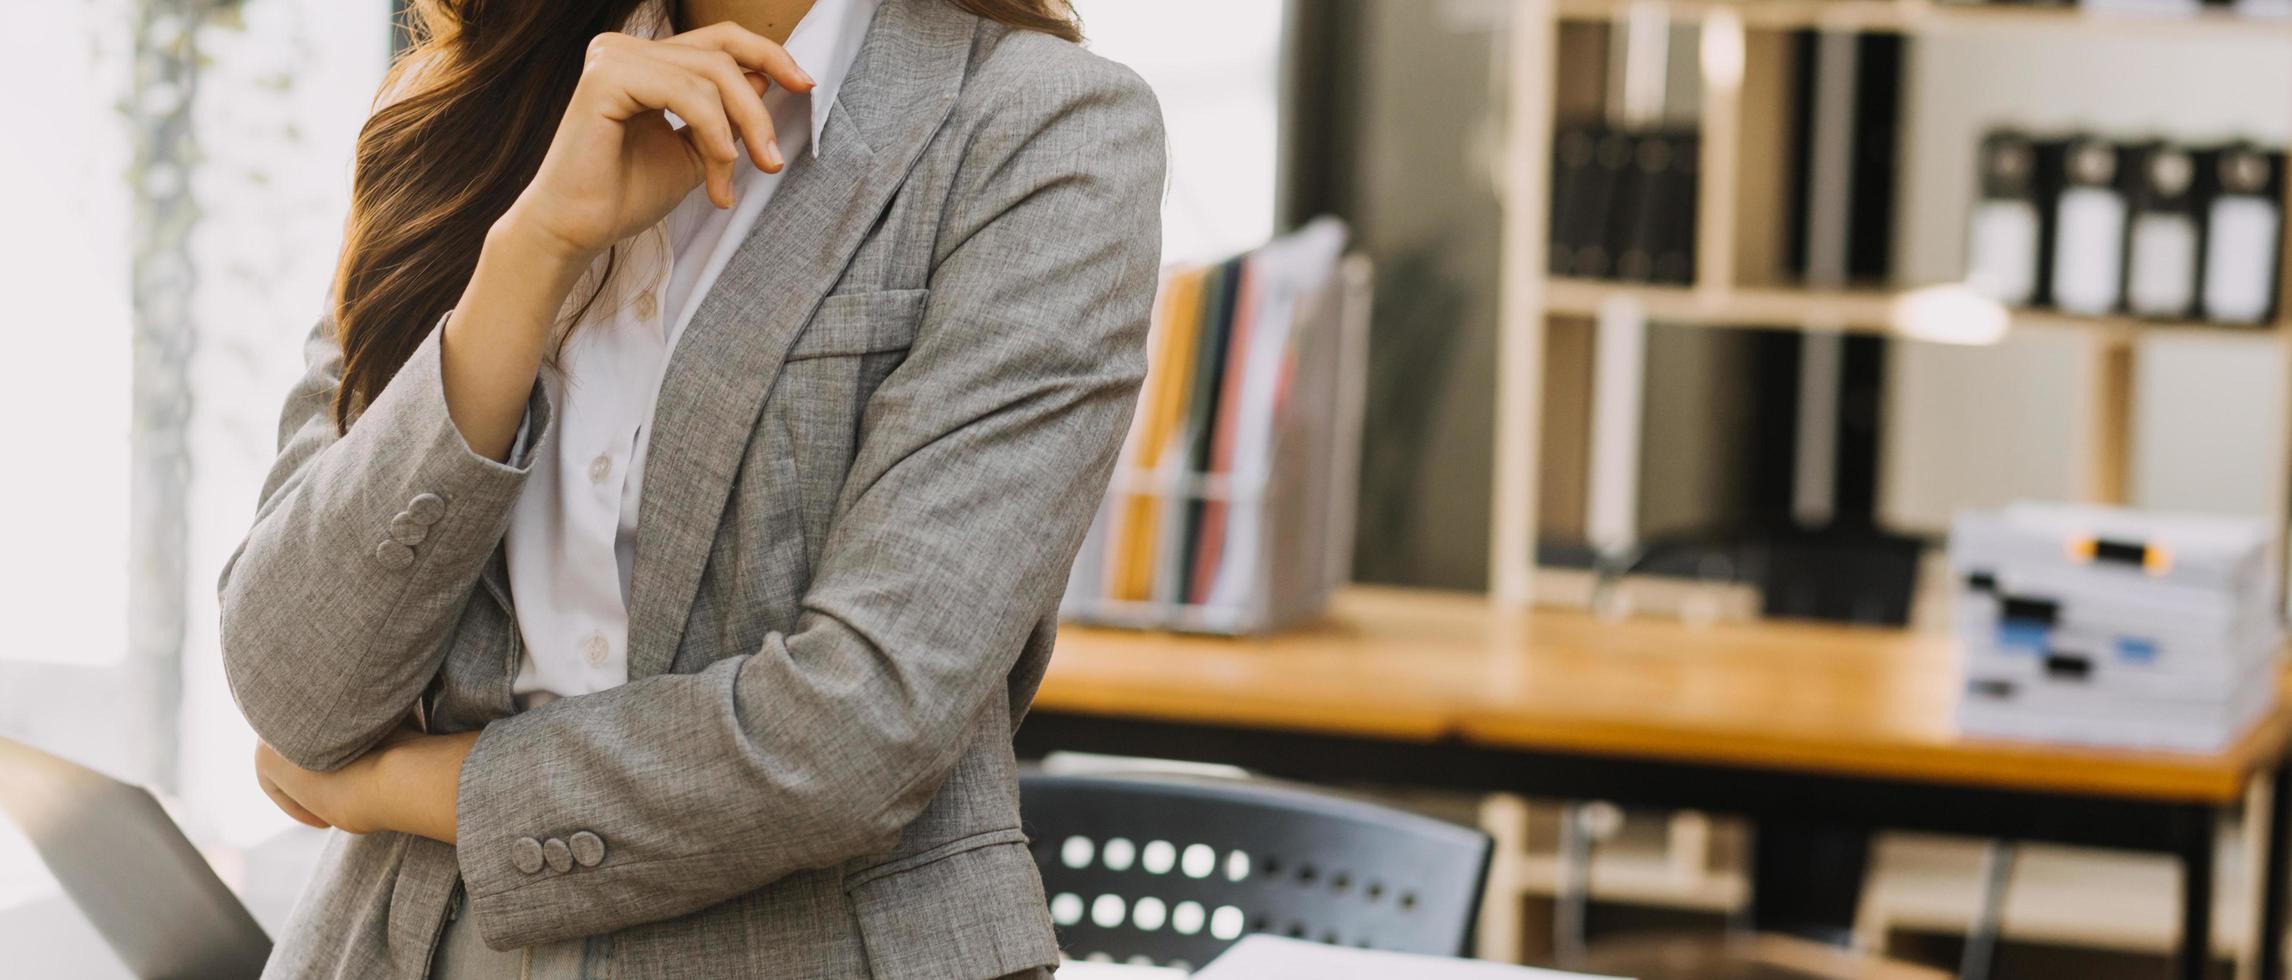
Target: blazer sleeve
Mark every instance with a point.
(980, 463)
(365, 548)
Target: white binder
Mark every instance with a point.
(2089, 231)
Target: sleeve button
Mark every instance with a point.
(405, 531)
(393, 555)
(427, 508)
(559, 856)
(525, 855)
(588, 849)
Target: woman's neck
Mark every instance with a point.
(775, 19)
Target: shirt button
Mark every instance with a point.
(600, 468)
(647, 306)
(596, 650)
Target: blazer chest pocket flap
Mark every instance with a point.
(862, 323)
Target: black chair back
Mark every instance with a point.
(1172, 870)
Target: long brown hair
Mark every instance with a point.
(467, 115)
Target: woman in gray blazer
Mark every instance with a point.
(667, 534)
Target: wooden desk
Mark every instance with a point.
(1841, 725)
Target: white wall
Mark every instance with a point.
(1215, 64)
(1975, 427)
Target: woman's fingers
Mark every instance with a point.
(742, 98)
(264, 759)
(753, 51)
(662, 84)
(287, 805)
(705, 87)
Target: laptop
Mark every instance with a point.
(130, 870)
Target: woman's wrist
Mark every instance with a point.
(522, 241)
(415, 785)
(493, 344)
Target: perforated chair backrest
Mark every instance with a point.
(1172, 870)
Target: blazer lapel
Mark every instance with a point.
(899, 90)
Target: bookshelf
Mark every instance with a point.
(1740, 201)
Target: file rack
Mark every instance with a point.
(1298, 517)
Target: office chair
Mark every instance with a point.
(1171, 870)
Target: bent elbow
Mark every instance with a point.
(290, 708)
(875, 811)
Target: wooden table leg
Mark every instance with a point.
(2270, 865)
(1807, 878)
(2198, 839)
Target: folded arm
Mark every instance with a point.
(980, 462)
(364, 549)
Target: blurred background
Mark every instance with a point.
(1705, 314)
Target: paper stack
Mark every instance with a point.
(2115, 627)
(1263, 957)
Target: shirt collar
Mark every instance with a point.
(824, 44)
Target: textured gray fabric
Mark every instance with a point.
(876, 450)
(463, 955)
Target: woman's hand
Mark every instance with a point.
(318, 799)
(408, 783)
(268, 761)
(616, 166)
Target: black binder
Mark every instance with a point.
(1674, 241)
(2089, 221)
(1607, 193)
(1579, 211)
(1657, 203)
(2010, 229)
(1623, 203)
(2244, 232)
(2164, 240)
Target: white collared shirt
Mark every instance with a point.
(572, 533)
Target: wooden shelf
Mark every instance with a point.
(1851, 310)
(2067, 896)
(1921, 17)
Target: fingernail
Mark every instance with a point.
(772, 153)
(806, 75)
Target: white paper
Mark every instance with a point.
(1263, 957)
(1088, 970)
(1287, 271)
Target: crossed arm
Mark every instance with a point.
(979, 464)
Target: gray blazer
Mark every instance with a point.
(875, 454)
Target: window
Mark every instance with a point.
(1215, 64)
